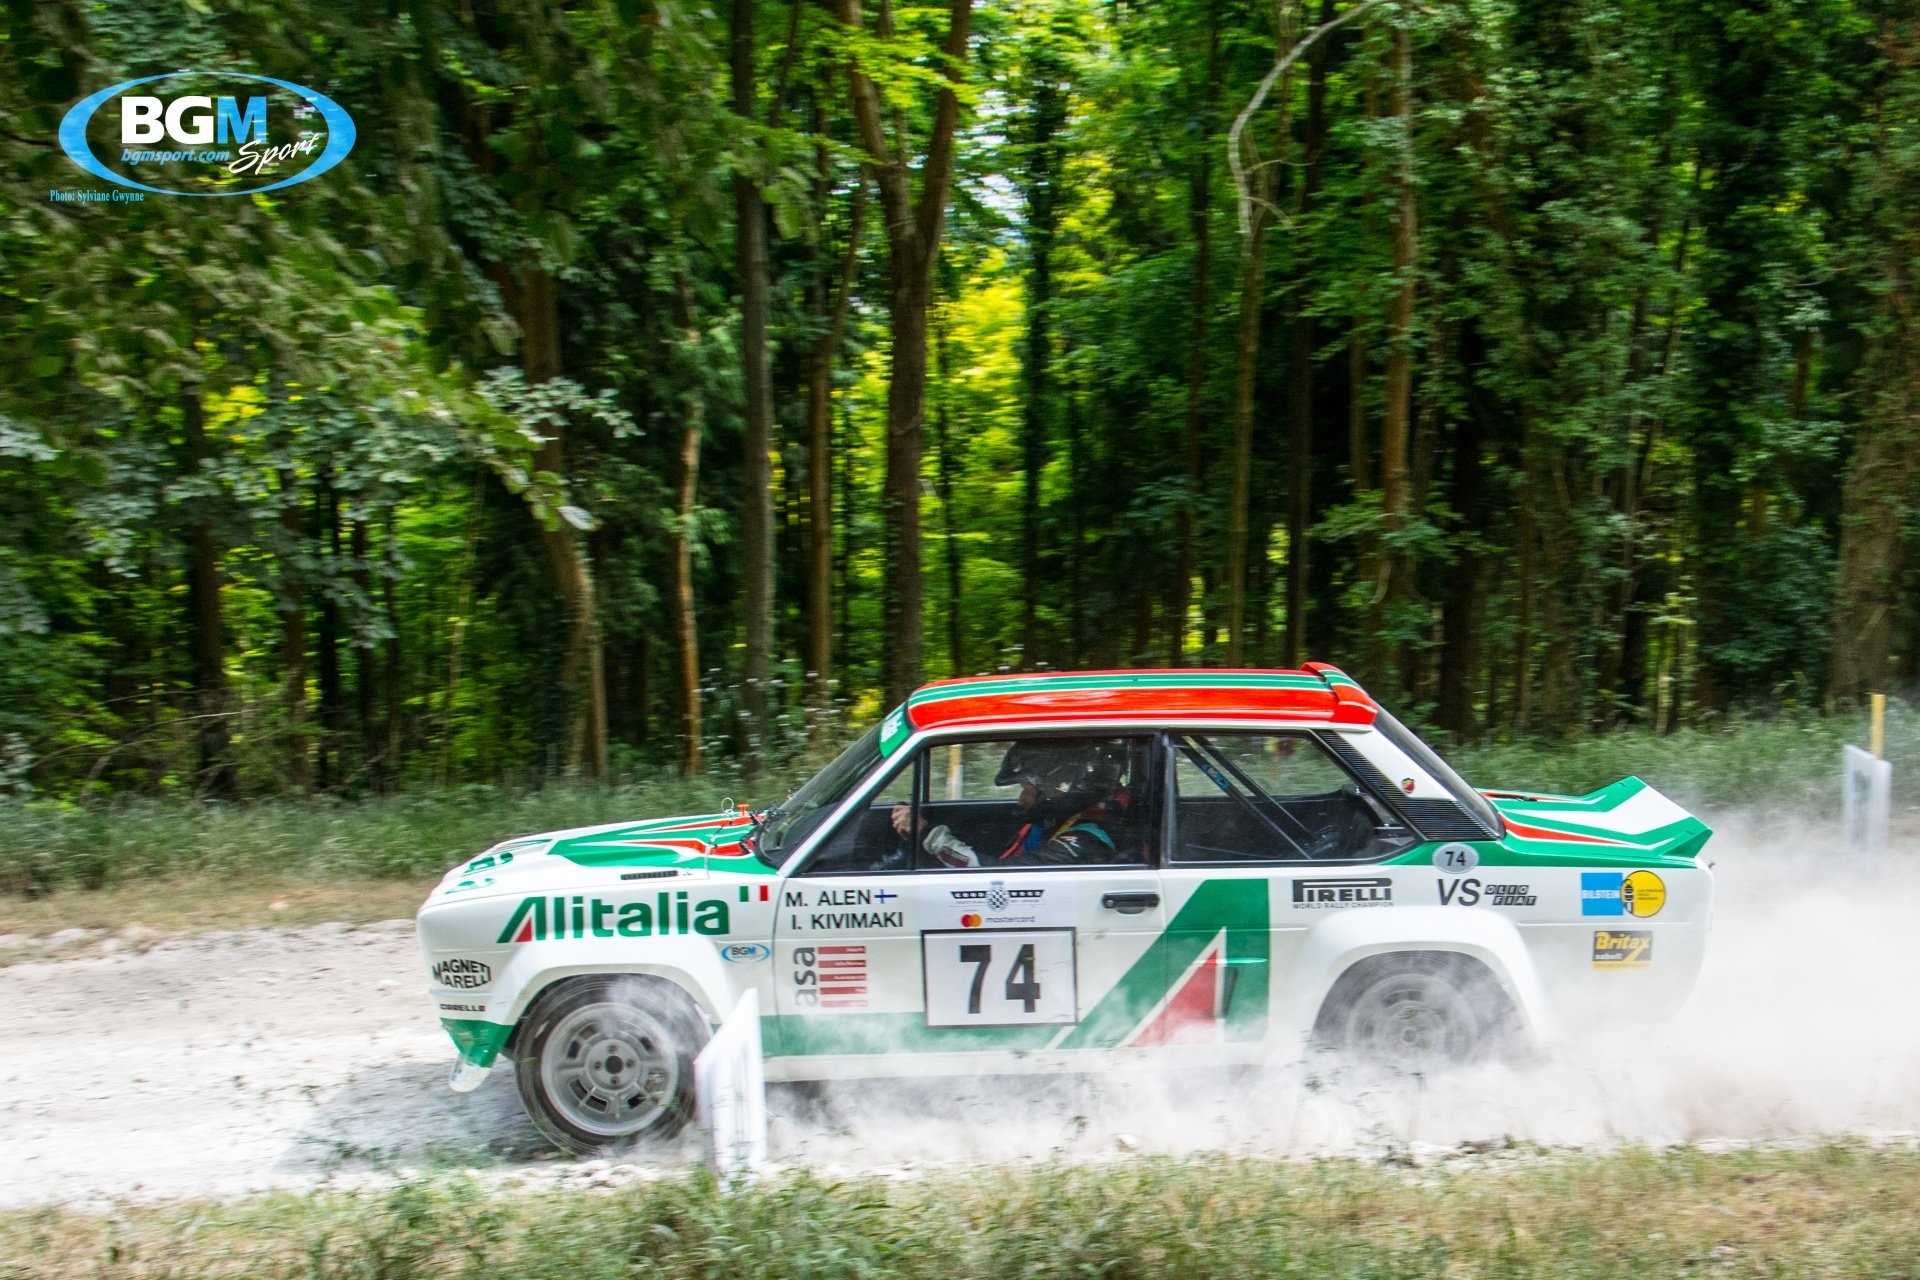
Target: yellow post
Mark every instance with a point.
(1879, 738)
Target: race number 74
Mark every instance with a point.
(1005, 978)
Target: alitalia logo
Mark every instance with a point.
(553, 919)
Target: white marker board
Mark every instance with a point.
(730, 1082)
(1869, 800)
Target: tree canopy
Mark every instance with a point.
(659, 382)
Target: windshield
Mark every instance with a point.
(1472, 801)
(790, 823)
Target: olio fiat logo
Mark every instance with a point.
(179, 136)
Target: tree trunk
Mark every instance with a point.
(333, 711)
(1523, 629)
(394, 667)
(1395, 419)
(757, 552)
(686, 628)
(680, 552)
(1359, 445)
(365, 674)
(1879, 487)
(1300, 368)
(1460, 617)
(1200, 218)
(1039, 173)
(913, 241)
(215, 777)
(820, 362)
(581, 671)
(293, 636)
(1036, 366)
(1246, 351)
(949, 539)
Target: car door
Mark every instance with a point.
(1269, 831)
(890, 960)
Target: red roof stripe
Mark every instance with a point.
(1212, 695)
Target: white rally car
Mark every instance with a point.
(1057, 873)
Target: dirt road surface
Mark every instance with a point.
(231, 1062)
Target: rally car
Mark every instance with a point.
(1061, 872)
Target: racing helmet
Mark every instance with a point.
(1069, 774)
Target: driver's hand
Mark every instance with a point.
(942, 844)
(902, 817)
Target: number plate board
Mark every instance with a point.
(999, 977)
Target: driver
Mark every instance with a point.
(1070, 801)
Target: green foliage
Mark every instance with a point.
(1834, 1210)
(1664, 273)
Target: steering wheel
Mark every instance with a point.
(1331, 840)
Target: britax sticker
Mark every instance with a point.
(1623, 949)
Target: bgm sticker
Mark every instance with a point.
(1622, 948)
(1612, 893)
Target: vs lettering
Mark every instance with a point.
(1464, 892)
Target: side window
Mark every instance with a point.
(1035, 802)
(866, 841)
(1272, 797)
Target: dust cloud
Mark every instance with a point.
(1805, 1023)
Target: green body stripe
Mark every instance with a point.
(1237, 907)
(805, 1035)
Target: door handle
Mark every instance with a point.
(1129, 904)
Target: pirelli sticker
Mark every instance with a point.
(1622, 948)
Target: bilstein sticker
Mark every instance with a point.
(207, 133)
(1611, 893)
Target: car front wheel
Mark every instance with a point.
(1416, 1012)
(606, 1063)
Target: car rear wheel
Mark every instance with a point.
(1416, 1012)
(607, 1063)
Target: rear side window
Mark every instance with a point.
(1272, 797)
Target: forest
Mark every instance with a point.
(659, 384)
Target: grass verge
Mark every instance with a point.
(139, 914)
(1788, 763)
(1838, 1210)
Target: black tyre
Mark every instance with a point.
(607, 1063)
(1417, 1011)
